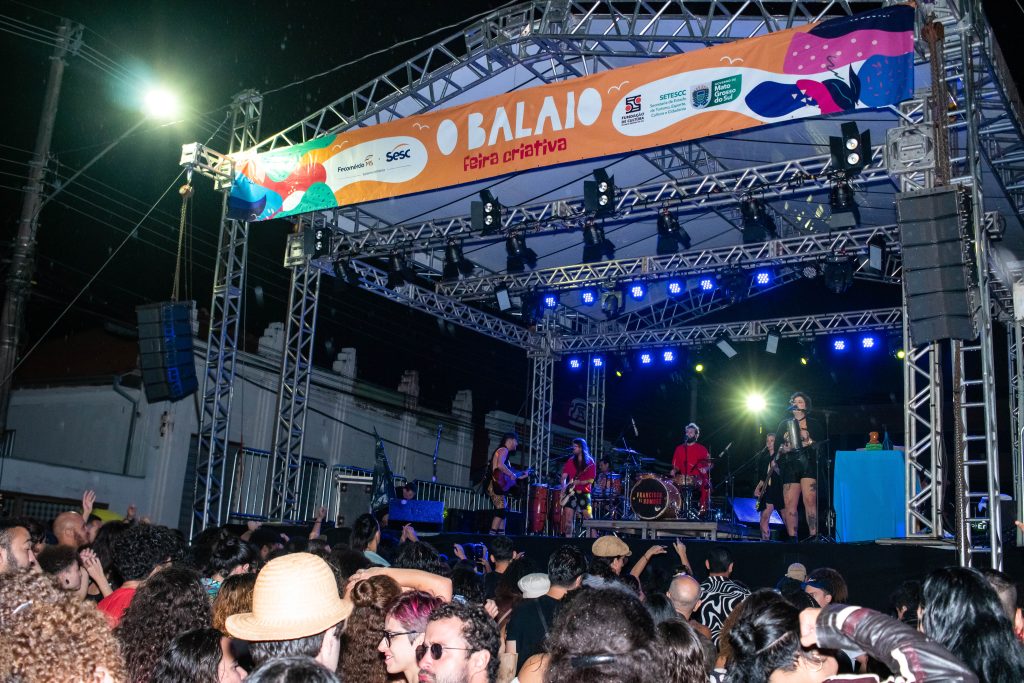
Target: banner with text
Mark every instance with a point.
(856, 62)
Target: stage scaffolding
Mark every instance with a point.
(552, 41)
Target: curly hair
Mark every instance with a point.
(142, 547)
(467, 583)
(478, 630)
(420, 555)
(51, 635)
(234, 597)
(292, 669)
(193, 656)
(605, 635)
(359, 659)
(170, 602)
(56, 558)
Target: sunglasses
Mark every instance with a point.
(388, 635)
(437, 651)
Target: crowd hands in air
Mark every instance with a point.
(125, 600)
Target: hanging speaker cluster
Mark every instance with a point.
(165, 350)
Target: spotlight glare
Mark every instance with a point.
(803, 360)
(699, 367)
(901, 354)
(755, 403)
(762, 278)
(618, 373)
(646, 358)
(839, 345)
(868, 342)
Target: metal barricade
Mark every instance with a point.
(247, 472)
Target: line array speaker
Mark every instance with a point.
(165, 350)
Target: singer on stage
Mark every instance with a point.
(692, 460)
(798, 463)
(578, 476)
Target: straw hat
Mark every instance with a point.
(295, 596)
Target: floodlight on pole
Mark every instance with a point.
(161, 103)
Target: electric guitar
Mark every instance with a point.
(503, 482)
(762, 499)
(568, 497)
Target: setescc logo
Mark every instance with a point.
(402, 151)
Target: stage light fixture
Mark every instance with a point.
(809, 271)
(599, 194)
(876, 253)
(838, 272)
(755, 403)
(549, 301)
(851, 152)
(575, 363)
(668, 356)
(868, 342)
(699, 367)
(455, 262)
(485, 215)
(502, 297)
(646, 358)
(674, 287)
(838, 344)
(638, 291)
(725, 346)
(758, 225)
(763, 278)
(901, 354)
(588, 297)
(595, 245)
(804, 360)
(531, 307)
(519, 257)
(598, 361)
(611, 303)
(707, 283)
(345, 273)
(735, 283)
(396, 270)
(771, 344)
(671, 235)
(845, 212)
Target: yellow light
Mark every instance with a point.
(618, 373)
(161, 103)
(803, 360)
(756, 403)
(699, 367)
(901, 354)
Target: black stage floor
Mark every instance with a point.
(872, 570)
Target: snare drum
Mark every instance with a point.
(653, 497)
(684, 479)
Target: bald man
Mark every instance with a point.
(684, 594)
(69, 528)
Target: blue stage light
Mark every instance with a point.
(675, 287)
(668, 356)
(838, 344)
(763, 278)
(588, 297)
(646, 358)
(550, 301)
(638, 291)
(598, 361)
(575, 363)
(868, 342)
(707, 283)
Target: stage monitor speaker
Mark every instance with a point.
(745, 510)
(935, 266)
(165, 350)
(417, 512)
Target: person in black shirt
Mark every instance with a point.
(799, 464)
(771, 479)
(501, 554)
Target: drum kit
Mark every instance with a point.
(650, 496)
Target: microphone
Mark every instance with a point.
(791, 408)
(636, 432)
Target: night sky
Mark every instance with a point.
(209, 51)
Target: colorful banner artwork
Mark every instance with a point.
(857, 62)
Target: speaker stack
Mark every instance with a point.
(165, 350)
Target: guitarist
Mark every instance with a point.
(578, 476)
(503, 478)
(769, 489)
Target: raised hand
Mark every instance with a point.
(129, 515)
(88, 500)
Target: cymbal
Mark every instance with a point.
(625, 451)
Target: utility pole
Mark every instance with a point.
(19, 278)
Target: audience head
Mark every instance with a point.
(229, 555)
(660, 607)
(69, 528)
(295, 605)
(766, 639)
(360, 660)
(201, 656)
(566, 567)
(61, 561)
(684, 593)
(234, 597)
(961, 611)
(142, 548)
(292, 669)
(404, 624)
(15, 547)
(460, 643)
(468, 584)
(501, 549)
(719, 560)
(681, 651)
(51, 635)
(604, 635)
(832, 583)
(611, 550)
(345, 562)
(170, 602)
(265, 541)
(905, 600)
(1005, 588)
(365, 533)
(420, 555)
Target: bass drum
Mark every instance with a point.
(539, 497)
(653, 497)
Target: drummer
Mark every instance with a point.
(607, 483)
(691, 459)
(579, 472)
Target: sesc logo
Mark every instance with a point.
(400, 152)
(633, 103)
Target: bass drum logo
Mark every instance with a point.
(700, 96)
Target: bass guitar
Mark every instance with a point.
(503, 482)
(568, 498)
(763, 497)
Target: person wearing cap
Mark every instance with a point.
(534, 585)
(531, 619)
(295, 611)
(693, 460)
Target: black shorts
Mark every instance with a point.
(581, 501)
(797, 465)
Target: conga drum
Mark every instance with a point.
(555, 509)
(653, 497)
(538, 507)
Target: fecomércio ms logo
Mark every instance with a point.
(633, 103)
(368, 160)
(400, 152)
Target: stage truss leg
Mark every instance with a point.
(1015, 353)
(595, 407)
(208, 507)
(296, 370)
(542, 365)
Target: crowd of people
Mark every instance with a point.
(126, 600)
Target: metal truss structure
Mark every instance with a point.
(1015, 344)
(222, 339)
(542, 390)
(296, 370)
(596, 384)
